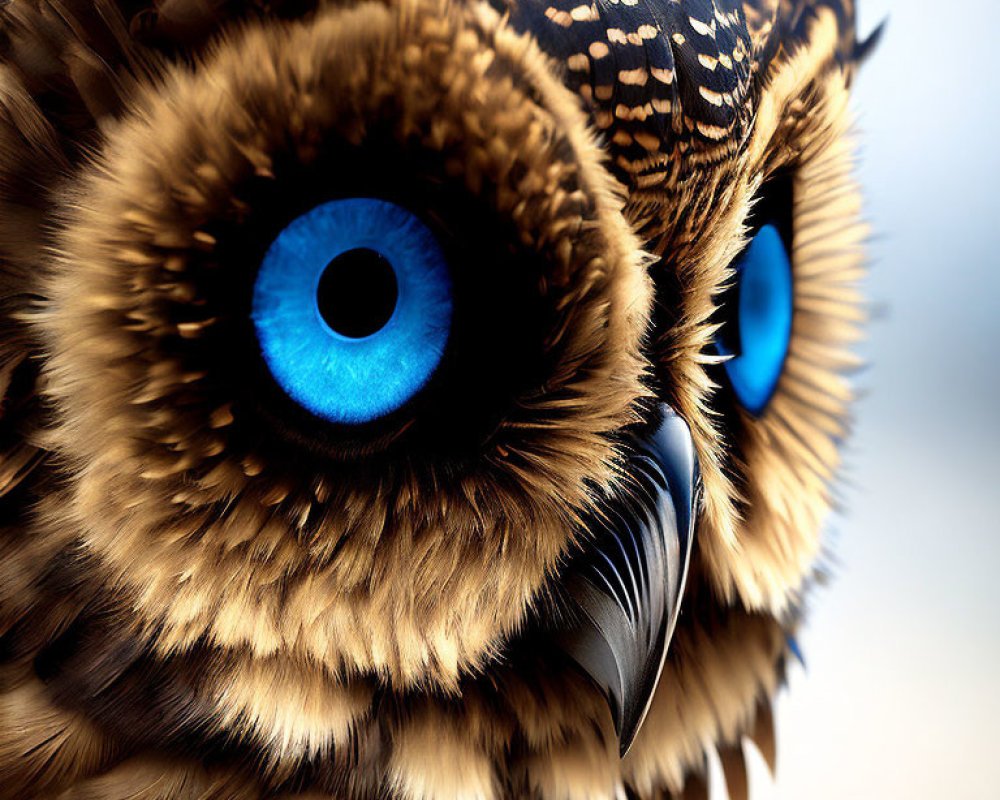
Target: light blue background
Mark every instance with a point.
(901, 695)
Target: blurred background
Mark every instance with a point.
(900, 695)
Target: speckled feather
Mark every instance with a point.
(660, 77)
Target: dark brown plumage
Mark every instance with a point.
(205, 592)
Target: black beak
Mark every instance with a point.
(625, 587)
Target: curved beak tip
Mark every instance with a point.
(625, 587)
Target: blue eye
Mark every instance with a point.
(352, 308)
(759, 334)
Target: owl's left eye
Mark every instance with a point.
(352, 308)
(759, 327)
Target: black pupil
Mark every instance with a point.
(357, 292)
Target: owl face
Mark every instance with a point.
(400, 386)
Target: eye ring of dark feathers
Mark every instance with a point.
(505, 275)
(493, 355)
(793, 447)
(115, 379)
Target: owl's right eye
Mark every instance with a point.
(352, 309)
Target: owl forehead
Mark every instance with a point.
(672, 86)
(658, 77)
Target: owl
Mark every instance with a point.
(415, 399)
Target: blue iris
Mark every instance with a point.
(352, 308)
(763, 320)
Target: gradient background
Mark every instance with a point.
(900, 696)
